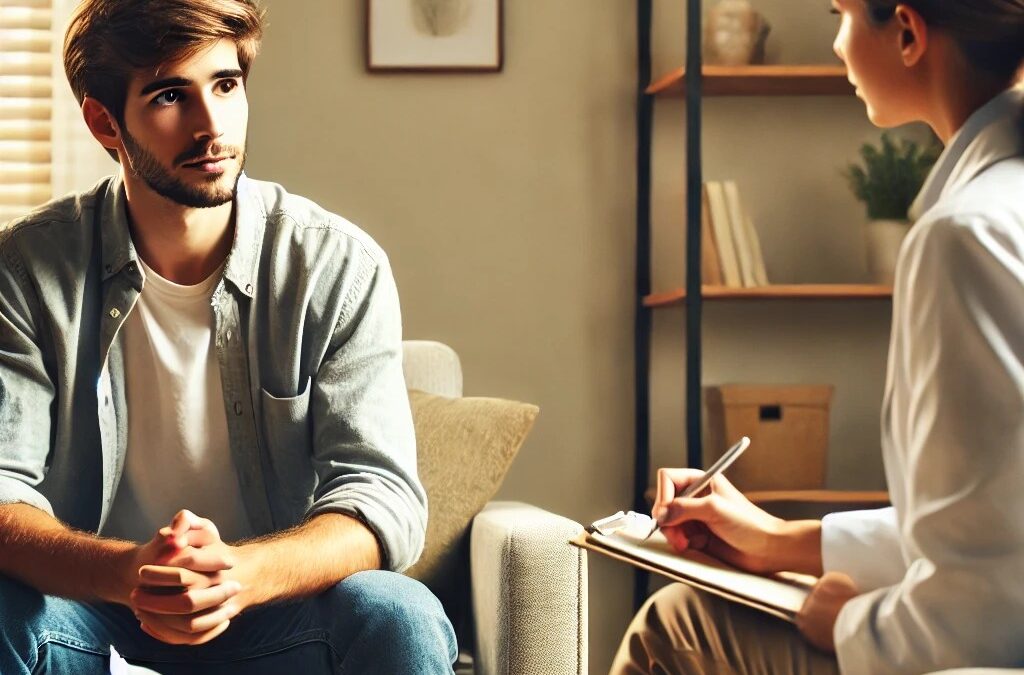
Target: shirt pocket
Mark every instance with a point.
(287, 434)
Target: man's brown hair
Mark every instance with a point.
(109, 39)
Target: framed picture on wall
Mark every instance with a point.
(434, 35)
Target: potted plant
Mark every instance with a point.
(887, 183)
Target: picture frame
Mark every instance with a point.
(435, 36)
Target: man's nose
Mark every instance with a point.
(208, 119)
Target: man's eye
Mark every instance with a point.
(168, 97)
(227, 85)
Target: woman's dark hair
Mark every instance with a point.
(991, 32)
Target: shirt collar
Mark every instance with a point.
(240, 269)
(250, 222)
(993, 133)
(118, 250)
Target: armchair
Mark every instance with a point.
(527, 585)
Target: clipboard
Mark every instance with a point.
(780, 595)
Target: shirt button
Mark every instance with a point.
(114, 313)
(228, 334)
(238, 407)
(131, 268)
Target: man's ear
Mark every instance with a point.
(913, 34)
(101, 123)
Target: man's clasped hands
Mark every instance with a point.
(185, 585)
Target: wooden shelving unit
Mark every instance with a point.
(692, 83)
(775, 292)
(820, 80)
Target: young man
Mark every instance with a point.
(183, 337)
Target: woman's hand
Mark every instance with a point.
(720, 521)
(817, 618)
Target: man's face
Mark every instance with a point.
(185, 125)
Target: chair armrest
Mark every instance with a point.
(529, 588)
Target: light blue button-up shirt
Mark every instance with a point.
(308, 338)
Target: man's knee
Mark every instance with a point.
(396, 609)
(17, 597)
(47, 633)
(20, 610)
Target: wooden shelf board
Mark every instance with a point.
(777, 292)
(867, 498)
(760, 81)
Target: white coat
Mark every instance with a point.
(942, 570)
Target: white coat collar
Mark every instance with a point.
(993, 133)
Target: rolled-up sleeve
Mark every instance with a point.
(958, 427)
(26, 389)
(364, 444)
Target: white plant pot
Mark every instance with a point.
(884, 238)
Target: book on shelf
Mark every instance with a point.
(711, 268)
(780, 595)
(760, 274)
(738, 247)
(739, 233)
(723, 234)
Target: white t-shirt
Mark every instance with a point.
(178, 452)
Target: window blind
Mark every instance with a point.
(26, 90)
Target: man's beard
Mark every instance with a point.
(146, 166)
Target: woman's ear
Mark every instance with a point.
(913, 34)
(101, 123)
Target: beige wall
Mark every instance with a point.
(506, 204)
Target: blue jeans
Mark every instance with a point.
(372, 622)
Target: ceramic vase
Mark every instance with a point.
(734, 34)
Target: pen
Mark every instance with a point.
(723, 463)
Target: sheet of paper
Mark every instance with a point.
(786, 591)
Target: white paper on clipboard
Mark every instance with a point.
(781, 595)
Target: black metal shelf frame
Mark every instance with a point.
(694, 308)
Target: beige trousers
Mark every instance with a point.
(682, 630)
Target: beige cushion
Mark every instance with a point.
(464, 446)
